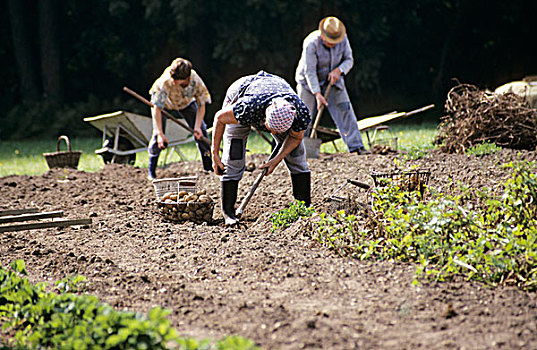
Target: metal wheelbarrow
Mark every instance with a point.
(126, 133)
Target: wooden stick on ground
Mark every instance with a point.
(38, 225)
(18, 211)
(30, 216)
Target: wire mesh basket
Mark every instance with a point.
(63, 159)
(174, 185)
(180, 200)
(388, 143)
(413, 180)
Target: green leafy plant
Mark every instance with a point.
(483, 149)
(285, 217)
(72, 284)
(415, 152)
(37, 319)
(492, 240)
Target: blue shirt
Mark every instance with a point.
(255, 95)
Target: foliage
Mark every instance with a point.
(100, 52)
(45, 120)
(285, 217)
(38, 319)
(414, 153)
(483, 149)
(495, 242)
(71, 284)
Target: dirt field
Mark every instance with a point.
(282, 289)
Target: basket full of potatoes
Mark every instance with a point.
(186, 204)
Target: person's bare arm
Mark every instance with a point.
(162, 140)
(291, 142)
(200, 114)
(221, 119)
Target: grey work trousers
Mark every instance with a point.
(341, 111)
(234, 148)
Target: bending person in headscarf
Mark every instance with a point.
(269, 103)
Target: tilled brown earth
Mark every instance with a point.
(282, 289)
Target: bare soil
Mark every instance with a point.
(282, 289)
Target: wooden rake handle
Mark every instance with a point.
(256, 183)
(166, 113)
(319, 113)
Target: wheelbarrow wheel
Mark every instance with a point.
(123, 145)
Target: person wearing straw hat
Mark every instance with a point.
(181, 91)
(326, 58)
(270, 104)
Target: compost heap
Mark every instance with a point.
(475, 116)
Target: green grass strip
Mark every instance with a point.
(26, 157)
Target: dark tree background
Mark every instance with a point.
(62, 60)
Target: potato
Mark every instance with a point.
(167, 196)
(190, 198)
(204, 198)
(182, 193)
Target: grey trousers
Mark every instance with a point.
(341, 111)
(234, 145)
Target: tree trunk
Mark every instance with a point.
(50, 50)
(29, 89)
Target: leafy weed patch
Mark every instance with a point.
(483, 149)
(285, 217)
(35, 319)
(492, 240)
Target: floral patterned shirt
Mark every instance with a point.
(256, 93)
(165, 94)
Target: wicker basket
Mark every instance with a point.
(413, 180)
(63, 159)
(163, 186)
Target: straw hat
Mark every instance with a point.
(332, 30)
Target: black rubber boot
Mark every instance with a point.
(152, 168)
(228, 194)
(302, 187)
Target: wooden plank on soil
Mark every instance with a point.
(18, 211)
(38, 225)
(29, 217)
